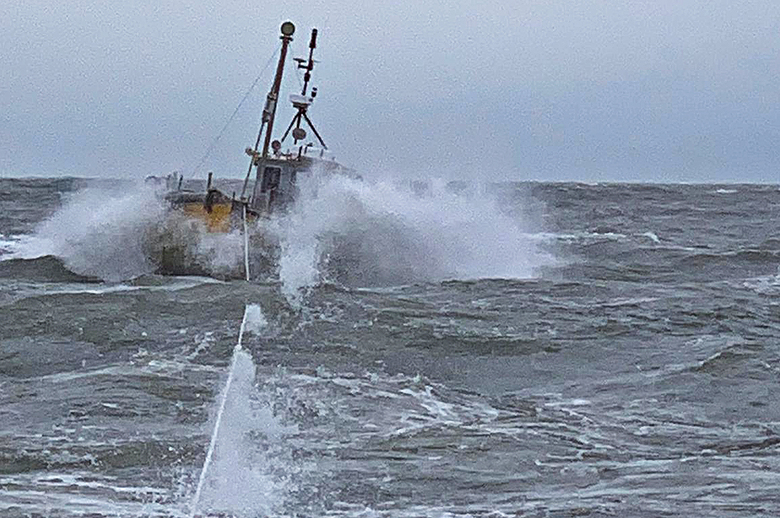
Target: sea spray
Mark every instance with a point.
(364, 233)
(343, 230)
(254, 320)
(241, 474)
(218, 254)
(99, 232)
(118, 234)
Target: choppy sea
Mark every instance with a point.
(516, 349)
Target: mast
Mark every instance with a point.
(269, 111)
(288, 29)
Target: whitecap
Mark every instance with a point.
(652, 237)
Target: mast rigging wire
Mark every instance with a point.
(235, 112)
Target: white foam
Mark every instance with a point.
(241, 478)
(98, 232)
(396, 236)
(9, 245)
(255, 322)
(240, 475)
(221, 253)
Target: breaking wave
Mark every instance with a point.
(99, 232)
(341, 230)
(378, 234)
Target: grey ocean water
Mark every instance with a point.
(530, 350)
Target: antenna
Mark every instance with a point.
(310, 66)
(303, 101)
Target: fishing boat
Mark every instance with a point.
(276, 178)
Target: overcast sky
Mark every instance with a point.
(661, 90)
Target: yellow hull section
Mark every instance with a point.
(215, 220)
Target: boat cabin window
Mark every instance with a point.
(278, 187)
(271, 177)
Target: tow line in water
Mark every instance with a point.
(215, 433)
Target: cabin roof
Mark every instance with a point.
(307, 163)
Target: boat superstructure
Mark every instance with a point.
(276, 171)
